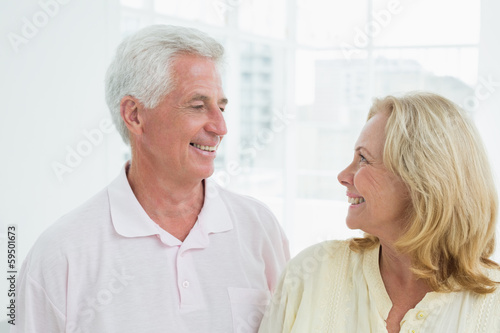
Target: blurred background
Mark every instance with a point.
(301, 77)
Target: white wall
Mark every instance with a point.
(51, 90)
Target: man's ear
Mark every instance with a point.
(130, 110)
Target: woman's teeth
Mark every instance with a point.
(356, 201)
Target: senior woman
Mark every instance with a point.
(421, 189)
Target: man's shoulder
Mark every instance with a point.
(68, 237)
(86, 215)
(243, 202)
(251, 216)
(74, 226)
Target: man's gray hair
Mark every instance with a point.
(142, 65)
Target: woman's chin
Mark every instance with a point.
(353, 225)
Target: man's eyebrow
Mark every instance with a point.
(199, 97)
(203, 98)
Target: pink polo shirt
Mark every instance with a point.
(107, 267)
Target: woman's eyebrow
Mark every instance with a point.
(359, 148)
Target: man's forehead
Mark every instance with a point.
(192, 62)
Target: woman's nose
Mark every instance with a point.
(345, 177)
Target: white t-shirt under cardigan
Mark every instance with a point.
(329, 288)
(107, 267)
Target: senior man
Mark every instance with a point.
(162, 248)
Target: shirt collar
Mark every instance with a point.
(131, 220)
(214, 216)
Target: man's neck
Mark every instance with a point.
(173, 205)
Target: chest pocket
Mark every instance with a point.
(247, 307)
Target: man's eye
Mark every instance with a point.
(222, 109)
(198, 106)
(362, 159)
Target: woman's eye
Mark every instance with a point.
(362, 159)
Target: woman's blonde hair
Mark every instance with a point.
(436, 150)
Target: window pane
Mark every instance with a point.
(329, 23)
(131, 22)
(317, 221)
(259, 135)
(310, 82)
(261, 17)
(330, 150)
(330, 115)
(451, 72)
(317, 186)
(425, 22)
(133, 3)
(210, 12)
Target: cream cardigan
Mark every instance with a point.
(329, 288)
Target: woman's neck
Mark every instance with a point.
(404, 289)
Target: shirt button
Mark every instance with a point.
(421, 315)
(185, 284)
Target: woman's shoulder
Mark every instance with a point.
(494, 275)
(485, 307)
(327, 250)
(318, 260)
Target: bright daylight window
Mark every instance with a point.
(301, 78)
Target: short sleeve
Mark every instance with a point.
(35, 312)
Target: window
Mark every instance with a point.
(301, 80)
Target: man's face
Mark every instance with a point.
(181, 135)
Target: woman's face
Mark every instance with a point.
(379, 198)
